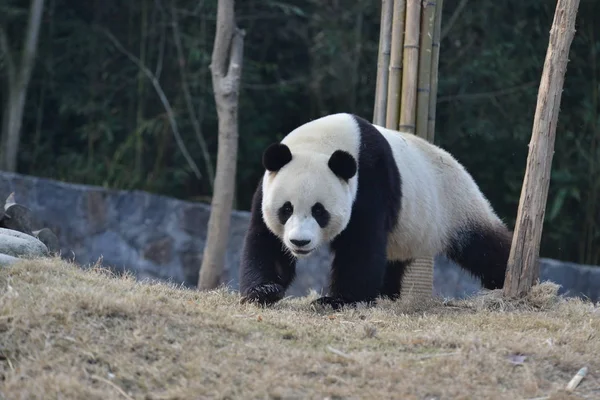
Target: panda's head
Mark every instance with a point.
(307, 196)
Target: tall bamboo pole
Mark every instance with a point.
(418, 280)
(523, 268)
(395, 74)
(424, 80)
(383, 60)
(435, 59)
(410, 67)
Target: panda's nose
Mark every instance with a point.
(299, 243)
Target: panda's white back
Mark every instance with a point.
(439, 197)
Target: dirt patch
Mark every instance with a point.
(70, 333)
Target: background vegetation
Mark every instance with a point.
(93, 116)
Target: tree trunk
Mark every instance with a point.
(18, 81)
(226, 68)
(523, 267)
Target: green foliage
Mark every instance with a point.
(92, 117)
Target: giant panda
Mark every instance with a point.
(380, 199)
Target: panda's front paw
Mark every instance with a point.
(336, 303)
(265, 294)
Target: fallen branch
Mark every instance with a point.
(425, 356)
(576, 379)
(339, 353)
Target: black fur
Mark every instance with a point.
(266, 270)
(320, 214)
(285, 212)
(342, 164)
(359, 266)
(483, 252)
(276, 156)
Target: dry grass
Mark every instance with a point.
(68, 333)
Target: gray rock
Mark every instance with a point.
(6, 260)
(159, 251)
(18, 244)
(96, 210)
(47, 237)
(158, 237)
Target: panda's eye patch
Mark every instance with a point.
(285, 212)
(320, 214)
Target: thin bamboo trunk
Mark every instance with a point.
(383, 61)
(410, 66)
(435, 59)
(395, 73)
(523, 267)
(424, 79)
(418, 280)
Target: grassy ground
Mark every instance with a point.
(72, 334)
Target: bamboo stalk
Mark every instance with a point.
(383, 61)
(418, 279)
(395, 73)
(424, 77)
(410, 66)
(435, 60)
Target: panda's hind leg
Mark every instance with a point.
(482, 251)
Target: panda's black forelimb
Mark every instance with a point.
(359, 265)
(266, 270)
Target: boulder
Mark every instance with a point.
(18, 244)
(6, 260)
(48, 237)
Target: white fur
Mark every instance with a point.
(438, 195)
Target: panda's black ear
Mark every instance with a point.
(342, 164)
(276, 156)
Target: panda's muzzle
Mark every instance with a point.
(299, 244)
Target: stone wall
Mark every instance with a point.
(159, 237)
